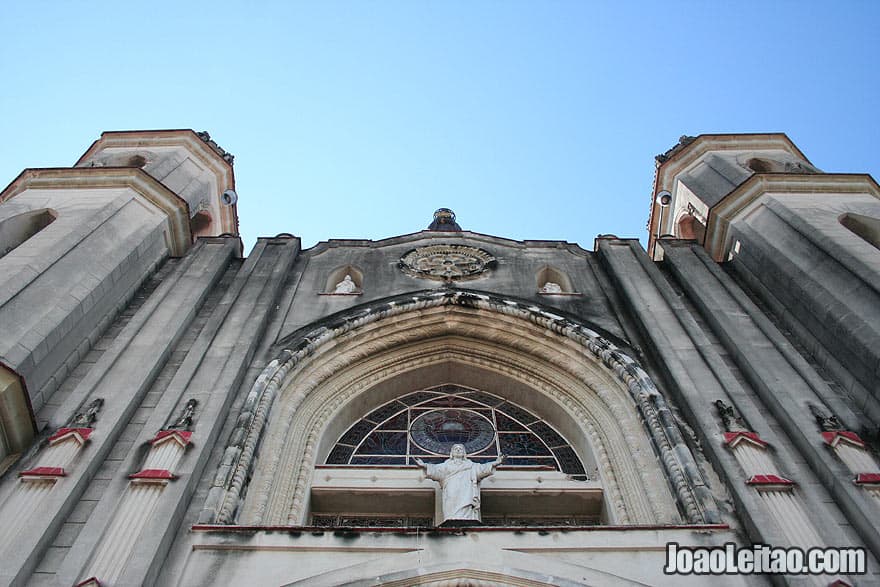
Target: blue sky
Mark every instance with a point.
(532, 120)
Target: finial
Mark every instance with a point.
(444, 219)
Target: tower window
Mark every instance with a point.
(865, 227)
(16, 230)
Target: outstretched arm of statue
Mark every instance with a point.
(499, 460)
(420, 463)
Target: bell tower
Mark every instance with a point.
(805, 242)
(76, 243)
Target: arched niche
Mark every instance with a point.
(865, 227)
(763, 165)
(201, 224)
(689, 227)
(594, 395)
(19, 228)
(337, 276)
(551, 275)
(588, 407)
(17, 427)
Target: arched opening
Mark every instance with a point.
(759, 165)
(201, 224)
(553, 281)
(17, 428)
(16, 230)
(865, 227)
(542, 482)
(137, 161)
(591, 394)
(689, 227)
(346, 280)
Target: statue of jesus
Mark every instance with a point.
(459, 479)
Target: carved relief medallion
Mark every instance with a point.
(446, 262)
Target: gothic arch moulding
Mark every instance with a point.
(331, 374)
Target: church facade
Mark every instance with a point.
(174, 413)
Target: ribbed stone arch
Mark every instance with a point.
(620, 412)
(458, 576)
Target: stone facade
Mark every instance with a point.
(172, 413)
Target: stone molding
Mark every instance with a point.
(147, 189)
(750, 194)
(323, 356)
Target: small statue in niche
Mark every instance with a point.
(346, 286)
(550, 288)
(826, 422)
(459, 479)
(85, 418)
(186, 416)
(731, 419)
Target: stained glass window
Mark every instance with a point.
(426, 423)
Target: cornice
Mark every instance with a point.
(175, 208)
(747, 195)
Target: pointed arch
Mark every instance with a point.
(552, 275)
(361, 358)
(462, 574)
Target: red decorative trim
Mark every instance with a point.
(44, 472)
(731, 439)
(867, 478)
(90, 582)
(839, 583)
(152, 474)
(769, 480)
(833, 437)
(181, 436)
(61, 433)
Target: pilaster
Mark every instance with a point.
(143, 510)
(120, 378)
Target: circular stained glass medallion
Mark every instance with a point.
(436, 431)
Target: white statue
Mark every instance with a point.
(459, 479)
(346, 286)
(551, 288)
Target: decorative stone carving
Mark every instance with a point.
(798, 167)
(444, 219)
(827, 422)
(459, 479)
(683, 142)
(227, 156)
(186, 417)
(446, 262)
(731, 419)
(346, 286)
(598, 399)
(85, 418)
